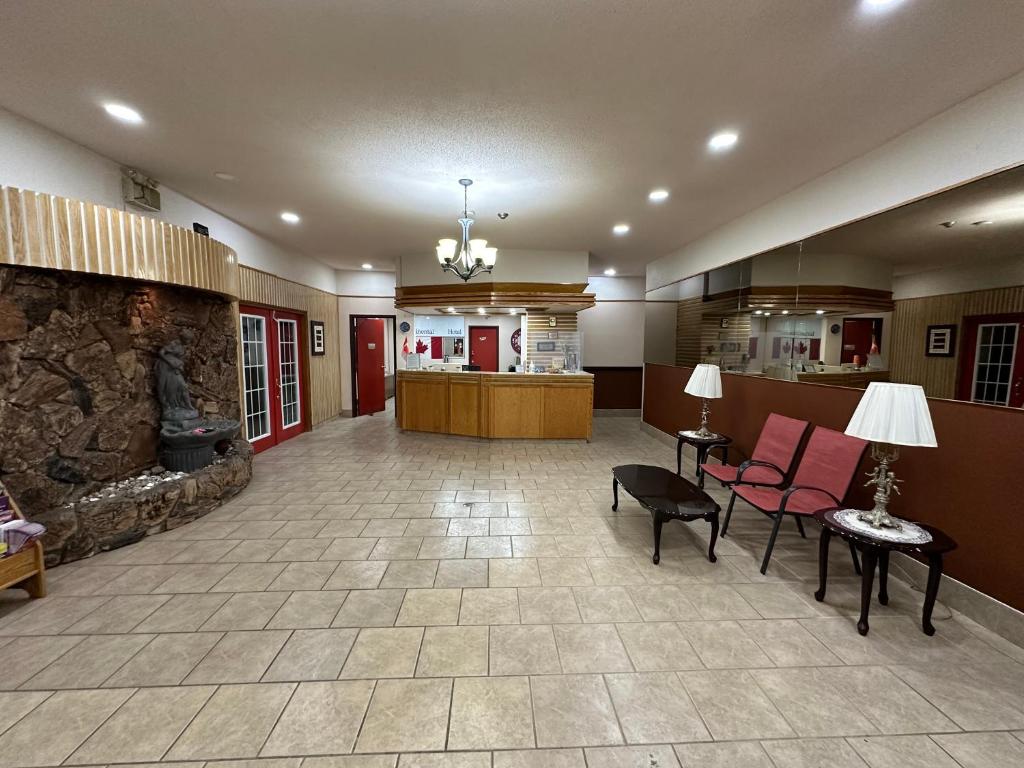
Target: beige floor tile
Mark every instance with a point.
(573, 711)
(312, 654)
(489, 606)
(734, 754)
(145, 726)
(118, 615)
(396, 548)
(248, 610)
(904, 752)
(35, 741)
(657, 646)
(510, 526)
(723, 645)
(981, 750)
(234, 723)
(430, 607)
(469, 526)
(321, 718)
(591, 648)
(514, 572)
(809, 703)
(249, 577)
(453, 652)
(540, 758)
(653, 707)
(32, 654)
(969, 699)
(183, 613)
(889, 703)
(788, 644)
(167, 660)
(52, 617)
(661, 756)
(491, 713)
(548, 605)
(380, 653)
(89, 663)
(446, 760)
(139, 580)
(813, 753)
(461, 573)
(239, 657)
(17, 704)
(719, 602)
(252, 551)
(488, 546)
(523, 650)
(409, 573)
(535, 546)
(303, 575)
(441, 547)
(733, 706)
(301, 550)
(308, 610)
(349, 549)
(199, 577)
(370, 608)
(564, 572)
(605, 604)
(406, 716)
(357, 575)
(615, 571)
(341, 529)
(344, 761)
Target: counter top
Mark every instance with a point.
(509, 374)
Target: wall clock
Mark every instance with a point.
(835, 328)
(404, 327)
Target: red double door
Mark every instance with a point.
(274, 399)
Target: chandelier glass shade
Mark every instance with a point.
(470, 256)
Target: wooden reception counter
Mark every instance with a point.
(523, 405)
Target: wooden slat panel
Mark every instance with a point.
(911, 318)
(49, 232)
(537, 330)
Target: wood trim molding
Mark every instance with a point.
(534, 296)
(50, 232)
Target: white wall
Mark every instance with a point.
(613, 330)
(33, 157)
(975, 276)
(978, 136)
(359, 282)
(513, 266)
(785, 268)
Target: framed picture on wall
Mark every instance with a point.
(317, 340)
(941, 341)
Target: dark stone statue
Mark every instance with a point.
(186, 441)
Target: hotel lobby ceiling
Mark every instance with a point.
(360, 116)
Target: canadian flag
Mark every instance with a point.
(405, 348)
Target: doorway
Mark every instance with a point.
(992, 360)
(273, 375)
(374, 359)
(483, 347)
(860, 335)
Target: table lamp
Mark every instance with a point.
(890, 415)
(705, 382)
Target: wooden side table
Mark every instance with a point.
(875, 552)
(703, 445)
(25, 569)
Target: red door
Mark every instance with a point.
(369, 395)
(859, 334)
(272, 365)
(992, 360)
(483, 346)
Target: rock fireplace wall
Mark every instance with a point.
(77, 403)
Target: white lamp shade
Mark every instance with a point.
(445, 250)
(893, 413)
(490, 256)
(705, 381)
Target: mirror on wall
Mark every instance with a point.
(930, 293)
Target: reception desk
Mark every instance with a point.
(519, 405)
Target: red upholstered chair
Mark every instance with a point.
(772, 458)
(822, 480)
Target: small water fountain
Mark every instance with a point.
(187, 441)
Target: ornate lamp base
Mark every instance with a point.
(704, 433)
(885, 482)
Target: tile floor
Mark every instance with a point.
(378, 599)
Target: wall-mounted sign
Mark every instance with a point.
(941, 341)
(317, 339)
(439, 325)
(546, 346)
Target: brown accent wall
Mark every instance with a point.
(971, 486)
(324, 370)
(911, 318)
(617, 387)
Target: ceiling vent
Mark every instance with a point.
(139, 191)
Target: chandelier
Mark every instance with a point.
(471, 256)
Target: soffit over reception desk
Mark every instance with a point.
(513, 405)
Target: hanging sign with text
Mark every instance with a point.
(439, 325)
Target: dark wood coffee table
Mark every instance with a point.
(667, 496)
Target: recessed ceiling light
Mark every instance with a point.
(879, 6)
(722, 141)
(758, 312)
(123, 113)
(982, 222)
(610, 271)
(367, 266)
(658, 195)
(513, 311)
(224, 176)
(785, 311)
(291, 218)
(948, 224)
(767, 314)
(819, 311)
(451, 309)
(621, 229)
(481, 310)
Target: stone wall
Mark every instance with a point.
(77, 403)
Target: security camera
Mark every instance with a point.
(503, 216)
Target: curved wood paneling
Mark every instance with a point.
(257, 287)
(567, 297)
(50, 232)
